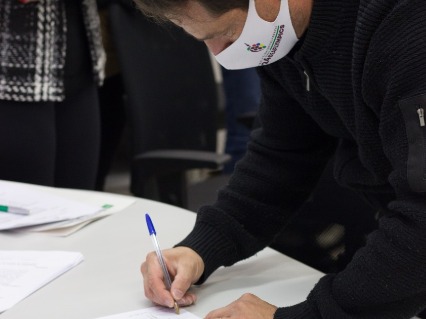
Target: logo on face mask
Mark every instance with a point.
(257, 47)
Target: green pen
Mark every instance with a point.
(14, 210)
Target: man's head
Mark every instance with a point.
(163, 9)
(216, 22)
(229, 27)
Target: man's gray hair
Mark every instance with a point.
(159, 9)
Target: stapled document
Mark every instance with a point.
(56, 211)
(43, 207)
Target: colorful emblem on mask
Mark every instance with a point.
(257, 47)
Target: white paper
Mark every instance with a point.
(44, 207)
(116, 203)
(153, 313)
(23, 272)
(63, 227)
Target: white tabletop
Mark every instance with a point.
(109, 280)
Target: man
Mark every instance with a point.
(339, 78)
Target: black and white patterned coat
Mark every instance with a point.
(32, 48)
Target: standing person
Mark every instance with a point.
(111, 95)
(51, 62)
(339, 78)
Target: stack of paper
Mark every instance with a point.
(58, 211)
(23, 272)
(43, 207)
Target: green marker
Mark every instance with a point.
(14, 210)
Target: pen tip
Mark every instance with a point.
(177, 310)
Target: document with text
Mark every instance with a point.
(24, 272)
(55, 211)
(153, 313)
(43, 207)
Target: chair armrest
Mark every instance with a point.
(179, 160)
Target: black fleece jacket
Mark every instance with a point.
(355, 87)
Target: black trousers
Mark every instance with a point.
(56, 143)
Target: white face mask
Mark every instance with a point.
(261, 42)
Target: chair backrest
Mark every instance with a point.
(172, 96)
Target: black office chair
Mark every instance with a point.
(172, 104)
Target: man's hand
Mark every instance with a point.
(248, 306)
(185, 267)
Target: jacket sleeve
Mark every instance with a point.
(285, 158)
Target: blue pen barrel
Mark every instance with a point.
(153, 236)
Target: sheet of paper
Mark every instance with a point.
(110, 203)
(153, 313)
(23, 272)
(44, 207)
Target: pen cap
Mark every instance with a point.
(151, 228)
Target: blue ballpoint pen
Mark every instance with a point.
(153, 236)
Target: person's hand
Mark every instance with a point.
(248, 306)
(185, 267)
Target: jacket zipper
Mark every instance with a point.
(421, 114)
(308, 83)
